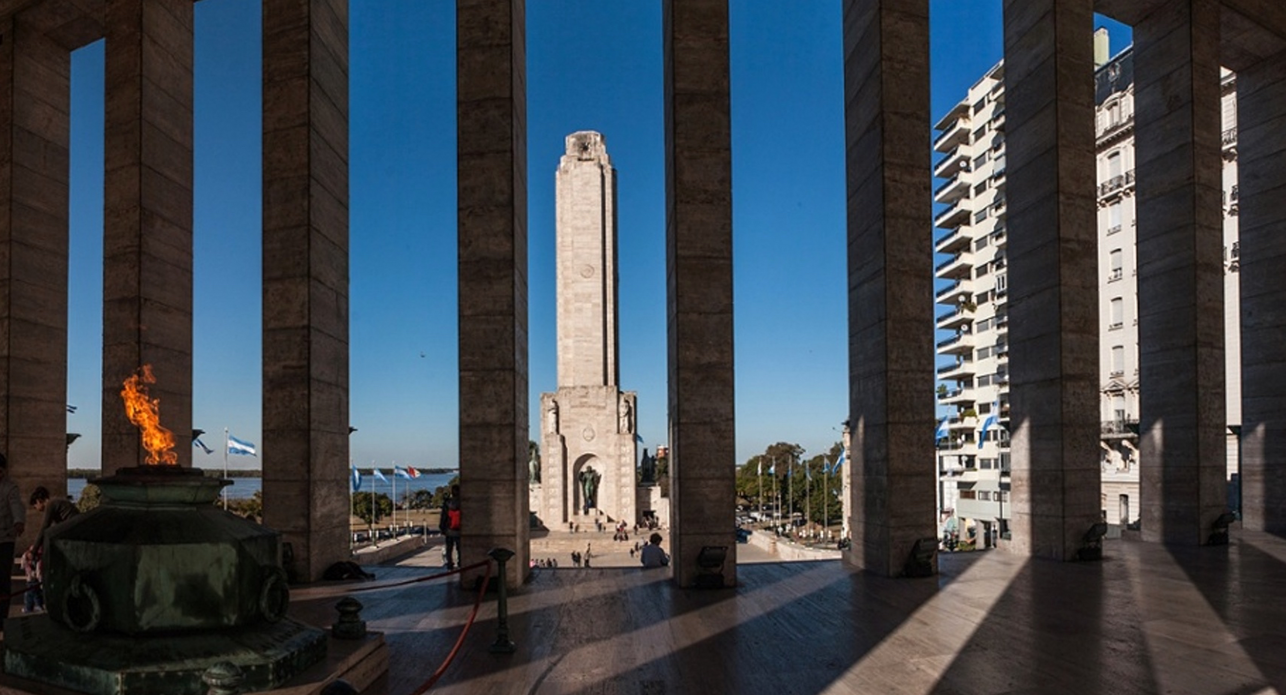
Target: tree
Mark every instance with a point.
(420, 499)
(251, 508)
(362, 507)
(663, 473)
(90, 497)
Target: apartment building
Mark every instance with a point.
(973, 376)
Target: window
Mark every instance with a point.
(1115, 265)
(1114, 115)
(1114, 218)
(981, 188)
(1117, 315)
(980, 160)
(981, 243)
(1114, 165)
(1002, 284)
(1118, 360)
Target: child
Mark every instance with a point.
(34, 599)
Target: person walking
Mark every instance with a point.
(13, 521)
(652, 555)
(449, 524)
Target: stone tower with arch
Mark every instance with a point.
(588, 426)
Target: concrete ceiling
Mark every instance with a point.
(1250, 31)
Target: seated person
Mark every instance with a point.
(652, 555)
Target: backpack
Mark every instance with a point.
(453, 519)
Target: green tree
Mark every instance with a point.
(90, 497)
(362, 507)
(420, 499)
(251, 508)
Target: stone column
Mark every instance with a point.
(34, 107)
(305, 280)
(1261, 102)
(890, 286)
(491, 108)
(1180, 247)
(1053, 276)
(147, 221)
(698, 229)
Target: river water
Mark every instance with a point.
(245, 488)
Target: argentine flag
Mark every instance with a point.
(356, 483)
(378, 475)
(943, 429)
(401, 472)
(201, 445)
(839, 461)
(992, 419)
(237, 447)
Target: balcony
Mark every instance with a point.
(1115, 274)
(957, 396)
(999, 237)
(1229, 138)
(998, 172)
(955, 134)
(954, 189)
(1116, 183)
(954, 293)
(953, 216)
(957, 317)
(952, 241)
(960, 370)
(956, 161)
(1121, 428)
(958, 344)
(959, 266)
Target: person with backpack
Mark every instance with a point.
(449, 524)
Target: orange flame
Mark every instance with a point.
(145, 413)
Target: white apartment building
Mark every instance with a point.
(973, 456)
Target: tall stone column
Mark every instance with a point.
(698, 230)
(305, 280)
(1053, 276)
(34, 121)
(890, 283)
(147, 221)
(1180, 250)
(1261, 101)
(491, 109)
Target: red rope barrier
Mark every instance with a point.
(477, 603)
(459, 642)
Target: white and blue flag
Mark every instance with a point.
(943, 429)
(237, 447)
(839, 462)
(401, 472)
(201, 445)
(356, 483)
(378, 475)
(71, 408)
(992, 419)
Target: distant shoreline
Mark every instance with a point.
(91, 473)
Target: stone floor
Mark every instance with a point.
(1148, 619)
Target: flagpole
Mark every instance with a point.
(808, 495)
(352, 542)
(790, 489)
(393, 483)
(371, 524)
(826, 498)
(224, 490)
(761, 489)
(776, 512)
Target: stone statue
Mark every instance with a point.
(648, 467)
(551, 416)
(624, 415)
(533, 469)
(589, 488)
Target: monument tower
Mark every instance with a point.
(588, 425)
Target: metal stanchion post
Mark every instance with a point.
(502, 645)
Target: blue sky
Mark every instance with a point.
(592, 65)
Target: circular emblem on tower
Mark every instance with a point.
(587, 271)
(588, 433)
